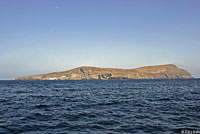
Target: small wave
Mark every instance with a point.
(108, 103)
(38, 116)
(107, 122)
(41, 106)
(96, 127)
(3, 100)
(165, 99)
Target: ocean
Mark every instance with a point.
(164, 106)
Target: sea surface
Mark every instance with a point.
(100, 106)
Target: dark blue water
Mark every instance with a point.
(99, 107)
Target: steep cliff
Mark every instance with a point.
(169, 71)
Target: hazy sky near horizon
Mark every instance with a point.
(41, 36)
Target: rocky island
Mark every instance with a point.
(169, 71)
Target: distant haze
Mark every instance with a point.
(41, 36)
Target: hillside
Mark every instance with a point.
(169, 71)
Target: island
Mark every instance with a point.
(168, 71)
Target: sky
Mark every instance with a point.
(42, 36)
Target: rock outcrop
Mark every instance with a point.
(169, 71)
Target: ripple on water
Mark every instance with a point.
(113, 106)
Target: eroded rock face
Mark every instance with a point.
(105, 76)
(169, 71)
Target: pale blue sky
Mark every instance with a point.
(41, 36)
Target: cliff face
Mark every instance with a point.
(149, 72)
